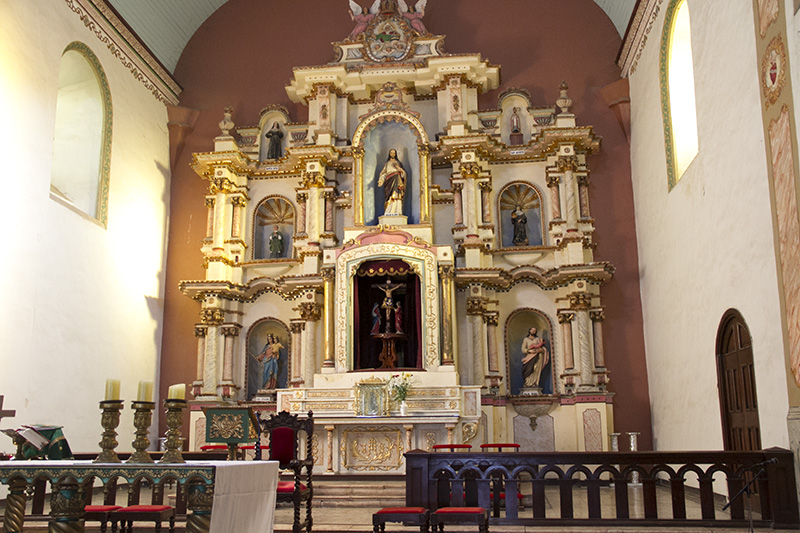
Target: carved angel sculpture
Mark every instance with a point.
(361, 18)
(414, 15)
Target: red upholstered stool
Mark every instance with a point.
(461, 515)
(410, 516)
(499, 446)
(452, 447)
(143, 513)
(100, 513)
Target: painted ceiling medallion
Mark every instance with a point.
(388, 39)
(773, 70)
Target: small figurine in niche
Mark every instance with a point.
(393, 180)
(534, 358)
(414, 15)
(361, 17)
(520, 223)
(376, 319)
(269, 358)
(516, 123)
(276, 243)
(398, 319)
(275, 138)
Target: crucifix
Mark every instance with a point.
(388, 355)
(6, 413)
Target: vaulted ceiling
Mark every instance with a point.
(166, 26)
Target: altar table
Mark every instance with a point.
(223, 496)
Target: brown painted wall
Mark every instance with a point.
(243, 56)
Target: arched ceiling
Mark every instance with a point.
(166, 26)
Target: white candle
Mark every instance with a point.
(112, 389)
(145, 391)
(177, 392)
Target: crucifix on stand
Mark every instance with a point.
(393, 326)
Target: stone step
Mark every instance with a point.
(345, 493)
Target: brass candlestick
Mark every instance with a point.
(172, 454)
(109, 421)
(142, 417)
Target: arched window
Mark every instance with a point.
(677, 91)
(82, 138)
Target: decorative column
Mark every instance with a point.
(555, 195)
(329, 449)
(579, 303)
(212, 318)
(567, 165)
(565, 318)
(425, 197)
(476, 307)
(199, 499)
(409, 433)
(457, 203)
(200, 331)
(358, 185)
(446, 274)
(210, 204)
(486, 208)
(238, 204)
(66, 507)
(330, 196)
(598, 316)
(329, 290)
(583, 195)
(14, 516)
(491, 318)
(309, 312)
(302, 197)
(226, 387)
(296, 326)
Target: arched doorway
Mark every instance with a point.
(737, 384)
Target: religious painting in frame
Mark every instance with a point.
(267, 366)
(529, 353)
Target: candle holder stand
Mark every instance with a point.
(110, 421)
(142, 418)
(172, 453)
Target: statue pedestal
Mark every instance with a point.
(515, 139)
(393, 220)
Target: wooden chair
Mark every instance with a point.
(156, 511)
(284, 431)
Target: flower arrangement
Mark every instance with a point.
(398, 386)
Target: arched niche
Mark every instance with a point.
(421, 260)
(272, 117)
(273, 211)
(510, 101)
(520, 205)
(267, 356)
(517, 328)
(82, 136)
(374, 137)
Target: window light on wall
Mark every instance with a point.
(677, 91)
(82, 136)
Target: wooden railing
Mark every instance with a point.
(609, 488)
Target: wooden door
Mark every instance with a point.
(737, 385)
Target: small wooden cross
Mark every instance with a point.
(4, 413)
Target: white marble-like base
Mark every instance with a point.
(793, 423)
(530, 391)
(393, 220)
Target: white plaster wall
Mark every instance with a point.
(81, 303)
(707, 245)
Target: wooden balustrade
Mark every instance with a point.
(675, 489)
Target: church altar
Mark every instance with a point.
(403, 229)
(221, 494)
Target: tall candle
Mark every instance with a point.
(145, 391)
(112, 389)
(177, 392)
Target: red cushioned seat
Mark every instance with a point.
(101, 508)
(461, 515)
(288, 486)
(144, 508)
(213, 447)
(100, 513)
(401, 510)
(409, 516)
(466, 510)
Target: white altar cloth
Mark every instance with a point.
(244, 496)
